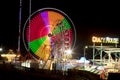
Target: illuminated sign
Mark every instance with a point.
(105, 40)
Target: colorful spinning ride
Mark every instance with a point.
(48, 33)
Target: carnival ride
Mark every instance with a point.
(10, 56)
(47, 34)
(110, 59)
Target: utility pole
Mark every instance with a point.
(93, 52)
(19, 35)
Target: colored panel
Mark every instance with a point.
(34, 45)
(44, 51)
(37, 28)
(61, 27)
(45, 19)
(54, 19)
(66, 24)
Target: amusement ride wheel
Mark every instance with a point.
(48, 33)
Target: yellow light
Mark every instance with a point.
(68, 51)
(10, 57)
(104, 40)
(1, 49)
(96, 39)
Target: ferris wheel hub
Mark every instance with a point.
(50, 35)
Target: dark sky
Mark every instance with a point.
(90, 18)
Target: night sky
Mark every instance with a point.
(90, 18)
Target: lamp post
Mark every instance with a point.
(93, 53)
(84, 55)
(1, 49)
(85, 50)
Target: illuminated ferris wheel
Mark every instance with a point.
(48, 33)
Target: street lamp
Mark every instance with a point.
(1, 49)
(68, 51)
(84, 55)
(85, 50)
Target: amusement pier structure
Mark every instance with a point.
(49, 36)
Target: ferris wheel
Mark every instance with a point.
(48, 33)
